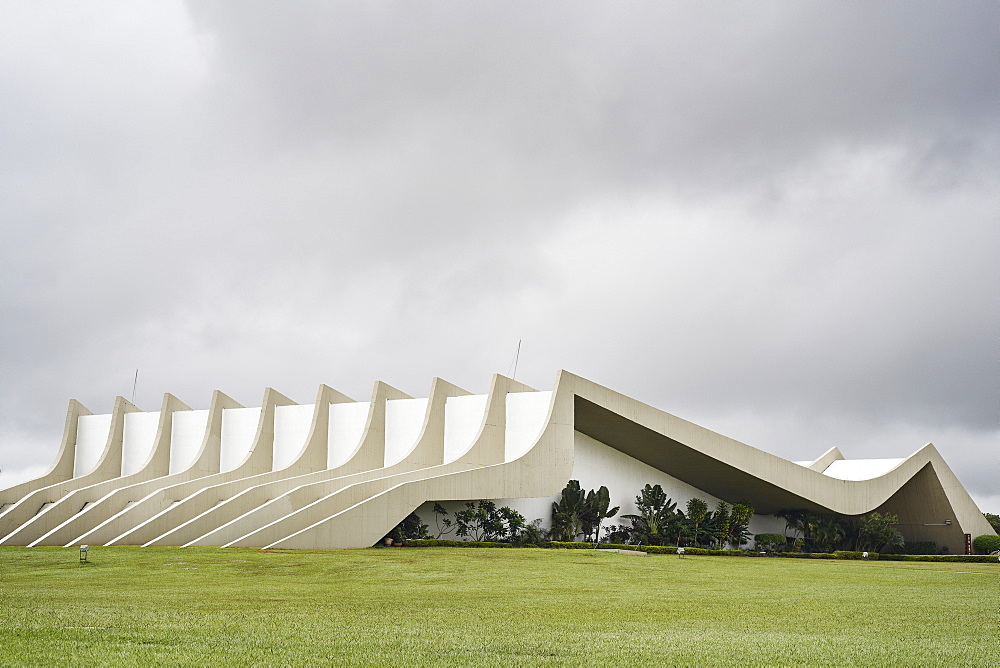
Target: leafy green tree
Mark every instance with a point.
(483, 521)
(697, 509)
(479, 521)
(739, 522)
(596, 511)
(994, 521)
(876, 532)
(721, 520)
(827, 534)
(513, 523)
(987, 544)
(442, 522)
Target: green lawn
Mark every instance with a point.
(141, 606)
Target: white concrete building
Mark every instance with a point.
(341, 473)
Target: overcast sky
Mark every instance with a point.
(777, 220)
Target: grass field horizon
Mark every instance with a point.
(451, 606)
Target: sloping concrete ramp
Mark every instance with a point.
(340, 473)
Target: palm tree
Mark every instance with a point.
(596, 511)
(697, 511)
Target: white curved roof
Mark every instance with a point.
(860, 469)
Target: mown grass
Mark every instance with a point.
(447, 606)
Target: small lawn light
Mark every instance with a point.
(680, 552)
(864, 555)
(84, 549)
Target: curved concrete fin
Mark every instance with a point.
(302, 507)
(158, 462)
(429, 448)
(181, 522)
(261, 456)
(152, 516)
(823, 462)
(209, 455)
(110, 464)
(359, 515)
(60, 522)
(488, 447)
(314, 453)
(370, 452)
(263, 504)
(62, 468)
(104, 520)
(18, 525)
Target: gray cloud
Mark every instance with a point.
(758, 214)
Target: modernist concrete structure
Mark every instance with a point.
(341, 473)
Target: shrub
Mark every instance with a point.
(573, 545)
(770, 542)
(850, 554)
(987, 544)
(410, 527)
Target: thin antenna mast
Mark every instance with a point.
(516, 356)
(135, 382)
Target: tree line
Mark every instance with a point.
(580, 514)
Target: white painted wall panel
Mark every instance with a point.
(91, 437)
(526, 413)
(291, 429)
(140, 433)
(239, 426)
(186, 437)
(463, 416)
(597, 464)
(347, 426)
(404, 420)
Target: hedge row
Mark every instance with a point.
(433, 542)
(963, 558)
(669, 549)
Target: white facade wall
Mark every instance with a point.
(526, 413)
(347, 426)
(187, 435)
(463, 416)
(92, 433)
(291, 429)
(404, 420)
(596, 464)
(239, 426)
(138, 439)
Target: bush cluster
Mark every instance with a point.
(987, 544)
(770, 541)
